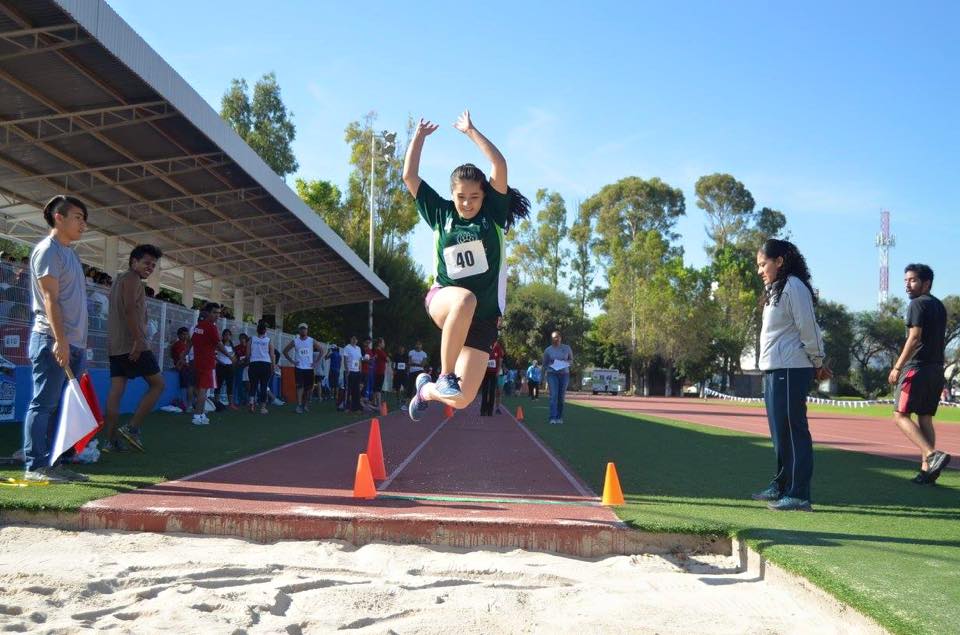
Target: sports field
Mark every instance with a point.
(876, 541)
(945, 414)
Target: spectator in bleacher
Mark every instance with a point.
(59, 336)
(129, 351)
(242, 382)
(178, 352)
(225, 370)
(352, 355)
(205, 342)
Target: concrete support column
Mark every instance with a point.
(216, 290)
(278, 315)
(110, 254)
(238, 304)
(257, 308)
(188, 274)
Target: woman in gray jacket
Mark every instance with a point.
(791, 355)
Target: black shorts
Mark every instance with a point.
(919, 390)
(377, 383)
(304, 377)
(146, 365)
(482, 334)
(399, 380)
(187, 378)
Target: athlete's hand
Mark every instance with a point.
(893, 377)
(137, 348)
(61, 353)
(464, 124)
(425, 128)
(823, 373)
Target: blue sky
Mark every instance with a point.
(829, 112)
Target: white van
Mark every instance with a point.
(606, 380)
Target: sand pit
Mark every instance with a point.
(64, 582)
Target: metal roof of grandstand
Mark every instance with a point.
(88, 108)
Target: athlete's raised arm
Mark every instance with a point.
(411, 163)
(498, 171)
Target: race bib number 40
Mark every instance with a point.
(466, 259)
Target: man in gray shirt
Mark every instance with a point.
(557, 359)
(59, 337)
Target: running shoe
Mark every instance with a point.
(132, 437)
(936, 461)
(200, 420)
(790, 504)
(418, 404)
(299, 410)
(43, 475)
(922, 478)
(448, 386)
(772, 493)
(68, 475)
(117, 445)
(263, 410)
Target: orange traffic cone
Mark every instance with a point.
(383, 409)
(363, 486)
(448, 411)
(375, 452)
(519, 413)
(612, 494)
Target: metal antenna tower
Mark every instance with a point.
(885, 240)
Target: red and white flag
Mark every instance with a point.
(76, 419)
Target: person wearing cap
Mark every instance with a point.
(305, 346)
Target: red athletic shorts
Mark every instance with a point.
(206, 378)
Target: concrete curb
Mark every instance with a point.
(853, 621)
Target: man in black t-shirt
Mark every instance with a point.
(918, 372)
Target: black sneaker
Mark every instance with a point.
(922, 478)
(936, 461)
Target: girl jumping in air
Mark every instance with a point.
(469, 292)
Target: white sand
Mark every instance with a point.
(65, 582)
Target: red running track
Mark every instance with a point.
(858, 434)
(467, 481)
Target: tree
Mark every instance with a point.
(737, 290)
(878, 338)
(836, 323)
(263, 122)
(533, 312)
(634, 220)
(324, 198)
(395, 208)
(537, 250)
(952, 341)
(582, 269)
(729, 207)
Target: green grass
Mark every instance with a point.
(876, 541)
(945, 414)
(175, 448)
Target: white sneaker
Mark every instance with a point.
(200, 420)
(277, 402)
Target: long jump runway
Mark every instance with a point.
(858, 434)
(466, 482)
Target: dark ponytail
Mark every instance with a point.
(518, 204)
(794, 264)
(261, 328)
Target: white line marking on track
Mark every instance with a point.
(385, 484)
(265, 452)
(566, 473)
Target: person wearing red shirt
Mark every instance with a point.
(489, 386)
(178, 352)
(205, 343)
(379, 358)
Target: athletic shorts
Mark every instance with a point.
(304, 377)
(919, 390)
(145, 366)
(482, 333)
(187, 378)
(399, 380)
(206, 378)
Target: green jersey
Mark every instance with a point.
(469, 253)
